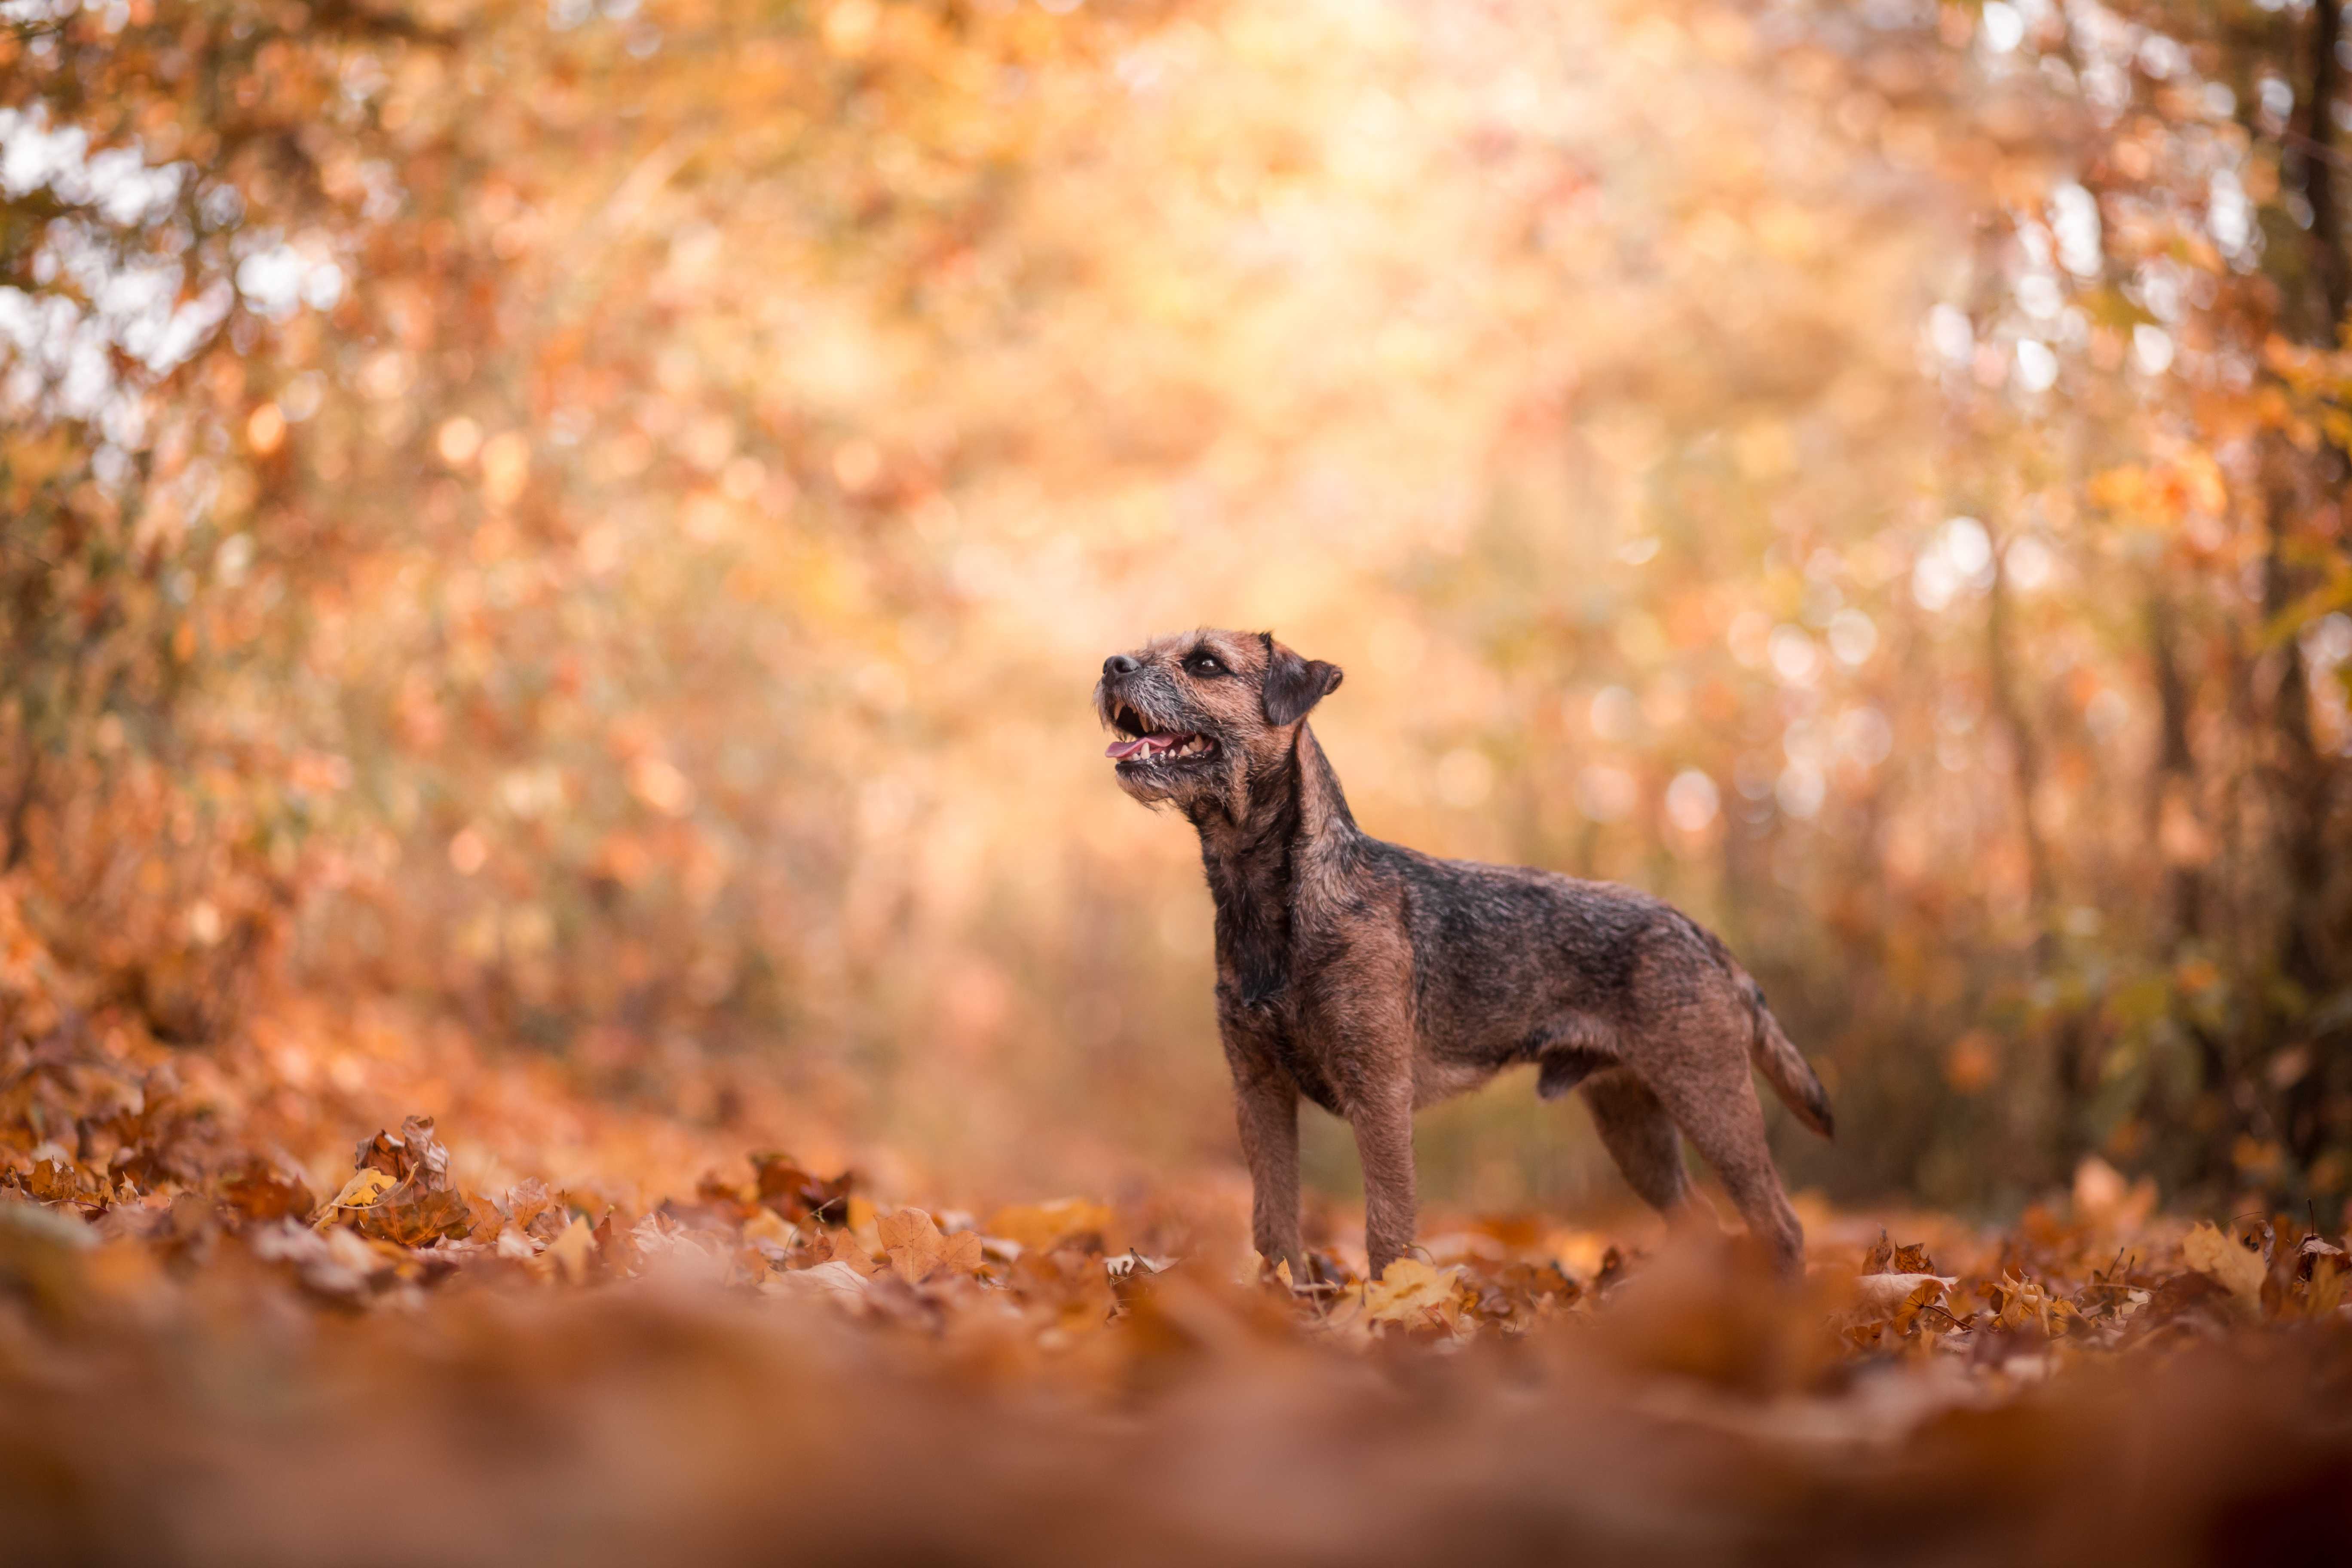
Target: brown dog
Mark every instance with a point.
(1375, 980)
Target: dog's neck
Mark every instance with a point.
(1294, 816)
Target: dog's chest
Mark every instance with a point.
(1294, 1042)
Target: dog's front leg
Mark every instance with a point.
(1383, 1127)
(1266, 1104)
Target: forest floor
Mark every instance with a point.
(229, 1335)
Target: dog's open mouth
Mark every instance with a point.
(1147, 747)
(1160, 748)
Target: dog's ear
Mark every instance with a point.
(1293, 685)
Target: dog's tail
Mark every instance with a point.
(1790, 1076)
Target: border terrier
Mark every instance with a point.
(1375, 980)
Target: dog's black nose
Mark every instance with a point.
(1120, 663)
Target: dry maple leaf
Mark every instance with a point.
(414, 1149)
(1900, 1296)
(402, 1193)
(264, 1189)
(364, 1188)
(1887, 1289)
(529, 1208)
(767, 1230)
(840, 1246)
(913, 1242)
(525, 1202)
(53, 1181)
(2213, 1254)
(2316, 1249)
(797, 1195)
(571, 1251)
(1886, 1256)
(1414, 1295)
(411, 1216)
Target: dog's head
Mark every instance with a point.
(1203, 714)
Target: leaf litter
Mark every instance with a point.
(772, 1352)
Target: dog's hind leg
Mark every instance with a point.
(1704, 1084)
(1640, 1136)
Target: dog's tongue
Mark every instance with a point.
(1122, 750)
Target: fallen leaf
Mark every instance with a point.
(2214, 1255)
(1412, 1294)
(827, 1281)
(1887, 1257)
(364, 1188)
(346, 1248)
(724, 1196)
(768, 1229)
(266, 1189)
(916, 1250)
(1886, 1293)
(53, 1181)
(1040, 1227)
(411, 1216)
(530, 1207)
(402, 1193)
(2316, 1249)
(1583, 1255)
(316, 1261)
(41, 1253)
(797, 1195)
(403, 1156)
(840, 1246)
(571, 1251)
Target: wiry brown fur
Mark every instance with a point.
(1374, 980)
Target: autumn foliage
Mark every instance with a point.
(563, 958)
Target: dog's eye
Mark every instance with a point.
(1204, 664)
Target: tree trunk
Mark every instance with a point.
(2311, 1070)
(2025, 753)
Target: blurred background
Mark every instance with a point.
(599, 520)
